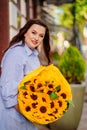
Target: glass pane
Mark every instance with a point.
(13, 14)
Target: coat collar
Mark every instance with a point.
(27, 49)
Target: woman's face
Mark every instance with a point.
(34, 36)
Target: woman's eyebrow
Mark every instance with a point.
(37, 31)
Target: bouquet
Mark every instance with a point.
(44, 95)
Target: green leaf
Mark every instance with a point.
(71, 103)
(27, 82)
(46, 83)
(56, 55)
(53, 95)
(41, 91)
(23, 87)
(58, 88)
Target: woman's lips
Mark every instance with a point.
(34, 42)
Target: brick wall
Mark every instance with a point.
(4, 25)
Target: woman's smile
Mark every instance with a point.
(33, 37)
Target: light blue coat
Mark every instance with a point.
(17, 62)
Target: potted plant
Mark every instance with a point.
(73, 67)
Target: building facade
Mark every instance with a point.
(13, 15)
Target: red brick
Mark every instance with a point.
(4, 25)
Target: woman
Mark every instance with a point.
(20, 58)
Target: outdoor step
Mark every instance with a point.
(85, 97)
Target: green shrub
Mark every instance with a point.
(72, 65)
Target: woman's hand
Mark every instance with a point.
(17, 107)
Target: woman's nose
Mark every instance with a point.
(37, 37)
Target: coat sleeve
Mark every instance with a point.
(12, 73)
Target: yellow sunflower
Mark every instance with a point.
(44, 95)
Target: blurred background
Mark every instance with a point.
(66, 19)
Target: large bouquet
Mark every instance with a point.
(44, 95)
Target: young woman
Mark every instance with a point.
(20, 58)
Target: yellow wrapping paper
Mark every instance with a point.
(44, 95)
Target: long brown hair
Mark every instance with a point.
(23, 30)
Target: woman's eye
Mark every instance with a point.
(42, 36)
(33, 32)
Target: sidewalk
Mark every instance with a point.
(83, 121)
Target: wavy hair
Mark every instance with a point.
(23, 30)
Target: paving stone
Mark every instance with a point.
(83, 121)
